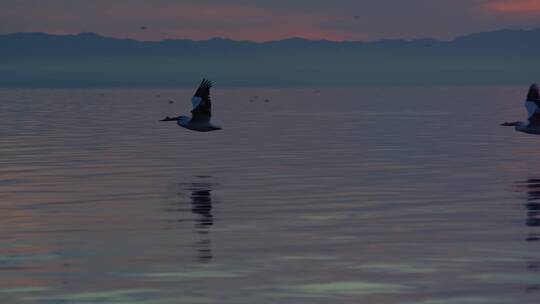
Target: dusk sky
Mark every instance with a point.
(269, 20)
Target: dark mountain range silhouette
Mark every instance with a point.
(87, 59)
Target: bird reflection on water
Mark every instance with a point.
(532, 188)
(195, 205)
(532, 204)
(201, 206)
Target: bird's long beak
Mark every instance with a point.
(169, 118)
(509, 124)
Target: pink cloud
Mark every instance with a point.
(515, 6)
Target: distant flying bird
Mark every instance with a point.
(201, 112)
(532, 104)
(144, 28)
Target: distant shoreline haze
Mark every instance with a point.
(505, 57)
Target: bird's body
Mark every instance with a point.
(532, 104)
(201, 126)
(201, 112)
(526, 128)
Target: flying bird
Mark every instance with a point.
(201, 112)
(532, 104)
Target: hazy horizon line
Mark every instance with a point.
(271, 41)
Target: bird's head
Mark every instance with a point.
(518, 125)
(177, 118)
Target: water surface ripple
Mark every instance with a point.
(372, 195)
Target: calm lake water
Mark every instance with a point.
(372, 195)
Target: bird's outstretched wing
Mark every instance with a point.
(533, 114)
(202, 106)
(534, 95)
